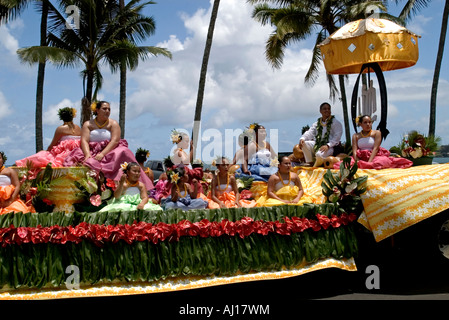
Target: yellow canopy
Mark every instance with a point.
(367, 41)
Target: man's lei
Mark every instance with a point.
(320, 140)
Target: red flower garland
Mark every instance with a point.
(144, 231)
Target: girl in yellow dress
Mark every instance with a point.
(224, 192)
(284, 187)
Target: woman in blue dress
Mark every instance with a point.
(183, 195)
(260, 160)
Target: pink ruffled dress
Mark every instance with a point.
(110, 164)
(56, 155)
(382, 160)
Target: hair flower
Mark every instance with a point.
(175, 136)
(124, 166)
(93, 106)
(253, 127)
(74, 112)
(274, 162)
(174, 176)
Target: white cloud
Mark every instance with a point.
(241, 85)
(4, 106)
(50, 114)
(7, 40)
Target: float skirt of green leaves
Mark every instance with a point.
(37, 248)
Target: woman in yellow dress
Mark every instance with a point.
(224, 192)
(284, 187)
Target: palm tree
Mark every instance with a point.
(436, 74)
(410, 8)
(122, 103)
(123, 69)
(203, 73)
(10, 9)
(99, 39)
(297, 20)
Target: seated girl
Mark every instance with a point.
(284, 187)
(182, 195)
(9, 190)
(368, 153)
(258, 156)
(130, 193)
(180, 158)
(65, 139)
(224, 192)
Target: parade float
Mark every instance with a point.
(135, 252)
(68, 248)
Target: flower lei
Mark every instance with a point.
(144, 231)
(320, 141)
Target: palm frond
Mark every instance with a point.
(312, 74)
(39, 54)
(412, 7)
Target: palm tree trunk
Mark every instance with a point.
(436, 74)
(87, 100)
(122, 108)
(344, 103)
(40, 81)
(202, 81)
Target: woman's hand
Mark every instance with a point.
(99, 156)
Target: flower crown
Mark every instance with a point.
(141, 151)
(2, 154)
(63, 113)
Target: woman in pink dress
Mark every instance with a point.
(368, 153)
(101, 148)
(65, 139)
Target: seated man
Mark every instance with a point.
(319, 141)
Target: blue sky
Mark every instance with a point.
(241, 86)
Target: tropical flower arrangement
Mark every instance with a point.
(344, 188)
(416, 145)
(95, 189)
(35, 186)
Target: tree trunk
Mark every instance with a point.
(40, 81)
(344, 103)
(122, 108)
(436, 74)
(87, 100)
(202, 81)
